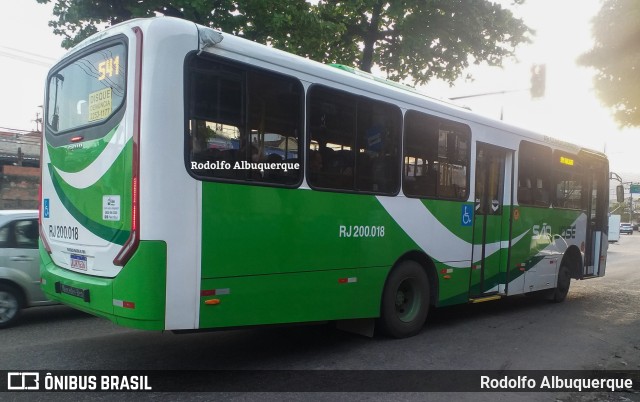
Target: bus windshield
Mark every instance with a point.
(88, 90)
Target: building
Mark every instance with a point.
(19, 169)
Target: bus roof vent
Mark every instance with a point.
(207, 37)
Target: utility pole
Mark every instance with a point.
(38, 121)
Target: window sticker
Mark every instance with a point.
(99, 104)
(111, 207)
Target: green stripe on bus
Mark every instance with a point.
(76, 159)
(109, 234)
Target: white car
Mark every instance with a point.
(19, 265)
(626, 228)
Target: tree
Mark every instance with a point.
(408, 39)
(616, 57)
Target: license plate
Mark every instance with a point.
(72, 291)
(78, 262)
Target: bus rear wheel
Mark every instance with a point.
(405, 300)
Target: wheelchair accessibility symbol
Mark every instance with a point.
(466, 215)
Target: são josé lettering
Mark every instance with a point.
(244, 165)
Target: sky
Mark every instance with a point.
(569, 111)
(28, 48)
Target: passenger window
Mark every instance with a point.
(534, 175)
(354, 144)
(244, 123)
(436, 157)
(568, 182)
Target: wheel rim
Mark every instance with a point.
(408, 299)
(8, 306)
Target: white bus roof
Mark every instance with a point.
(243, 50)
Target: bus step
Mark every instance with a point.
(485, 298)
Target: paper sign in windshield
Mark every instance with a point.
(100, 104)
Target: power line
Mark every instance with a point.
(27, 53)
(19, 130)
(25, 59)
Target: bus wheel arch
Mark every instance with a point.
(429, 268)
(572, 259)
(570, 267)
(407, 295)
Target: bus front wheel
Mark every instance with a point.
(562, 287)
(405, 300)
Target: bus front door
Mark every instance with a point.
(488, 264)
(596, 242)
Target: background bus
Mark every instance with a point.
(163, 207)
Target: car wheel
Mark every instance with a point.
(9, 306)
(405, 300)
(562, 287)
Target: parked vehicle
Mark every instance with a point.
(19, 265)
(626, 228)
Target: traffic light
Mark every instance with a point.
(538, 80)
(620, 193)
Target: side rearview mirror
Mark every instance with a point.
(620, 193)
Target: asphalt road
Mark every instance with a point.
(597, 327)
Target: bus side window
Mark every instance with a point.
(241, 116)
(534, 174)
(436, 157)
(541, 195)
(358, 139)
(524, 191)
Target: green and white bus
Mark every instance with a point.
(195, 180)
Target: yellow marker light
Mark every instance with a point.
(212, 302)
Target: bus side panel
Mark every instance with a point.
(292, 297)
(252, 230)
(168, 195)
(270, 248)
(547, 235)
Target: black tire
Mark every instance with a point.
(405, 300)
(562, 286)
(10, 305)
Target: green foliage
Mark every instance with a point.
(408, 39)
(616, 58)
